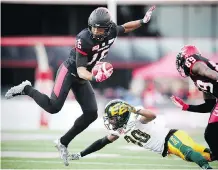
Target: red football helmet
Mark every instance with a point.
(189, 50)
(186, 51)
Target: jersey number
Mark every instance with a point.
(96, 55)
(190, 61)
(79, 43)
(206, 87)
(139, 137)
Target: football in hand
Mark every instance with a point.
(104, 66)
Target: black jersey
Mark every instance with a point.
(92, 49)
(203, 83)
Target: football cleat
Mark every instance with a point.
(64, 154)
(75, 156)
(204, 167)
(17, 90)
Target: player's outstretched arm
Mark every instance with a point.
(206, 107)
(132, 25)
(147, 115)
(202, 69)
(97, 145)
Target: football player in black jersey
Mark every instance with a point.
(92, 45)
(204, 74)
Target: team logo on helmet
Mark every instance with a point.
(116, 115)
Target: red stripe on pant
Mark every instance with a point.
(59, 80)
(214, 115)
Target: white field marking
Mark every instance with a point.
(6, 136)
(49, 155)
(133, 148)
(100, 163)
(22, 154)
(28, 136)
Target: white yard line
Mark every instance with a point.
(98, 163)
(27, 136)
(22, 154)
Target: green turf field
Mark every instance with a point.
(39, 153)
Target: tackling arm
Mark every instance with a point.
(132, 25)
(147, 115)
(206, 107)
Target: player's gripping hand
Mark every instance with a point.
(131, 108)
(103, 75)
(148, 14)
(179, 102)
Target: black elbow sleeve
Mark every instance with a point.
(203, 108)
(211, 103)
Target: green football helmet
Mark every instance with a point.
(117, 113)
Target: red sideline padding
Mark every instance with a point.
(45, 78)
(48, 75)
(28, 41)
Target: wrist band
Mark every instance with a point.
(93, 79)
(141, 22)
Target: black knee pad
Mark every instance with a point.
(53, 110)
(90, 115)
(53, 107)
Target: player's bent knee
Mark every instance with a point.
(91, 115)
(53, 109)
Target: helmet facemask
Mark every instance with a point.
(116, 116)
(100, 37)
(180, 62)
(100, 18)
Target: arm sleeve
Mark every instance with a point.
(203, 108)
(97, 145)
(82, 49)
(81, 61)
(120, 29)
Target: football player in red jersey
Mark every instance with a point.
(204, 74)
(92, 45)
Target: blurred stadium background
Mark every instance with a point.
(36, 36)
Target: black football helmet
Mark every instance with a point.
(100, 18)
(116, 114)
